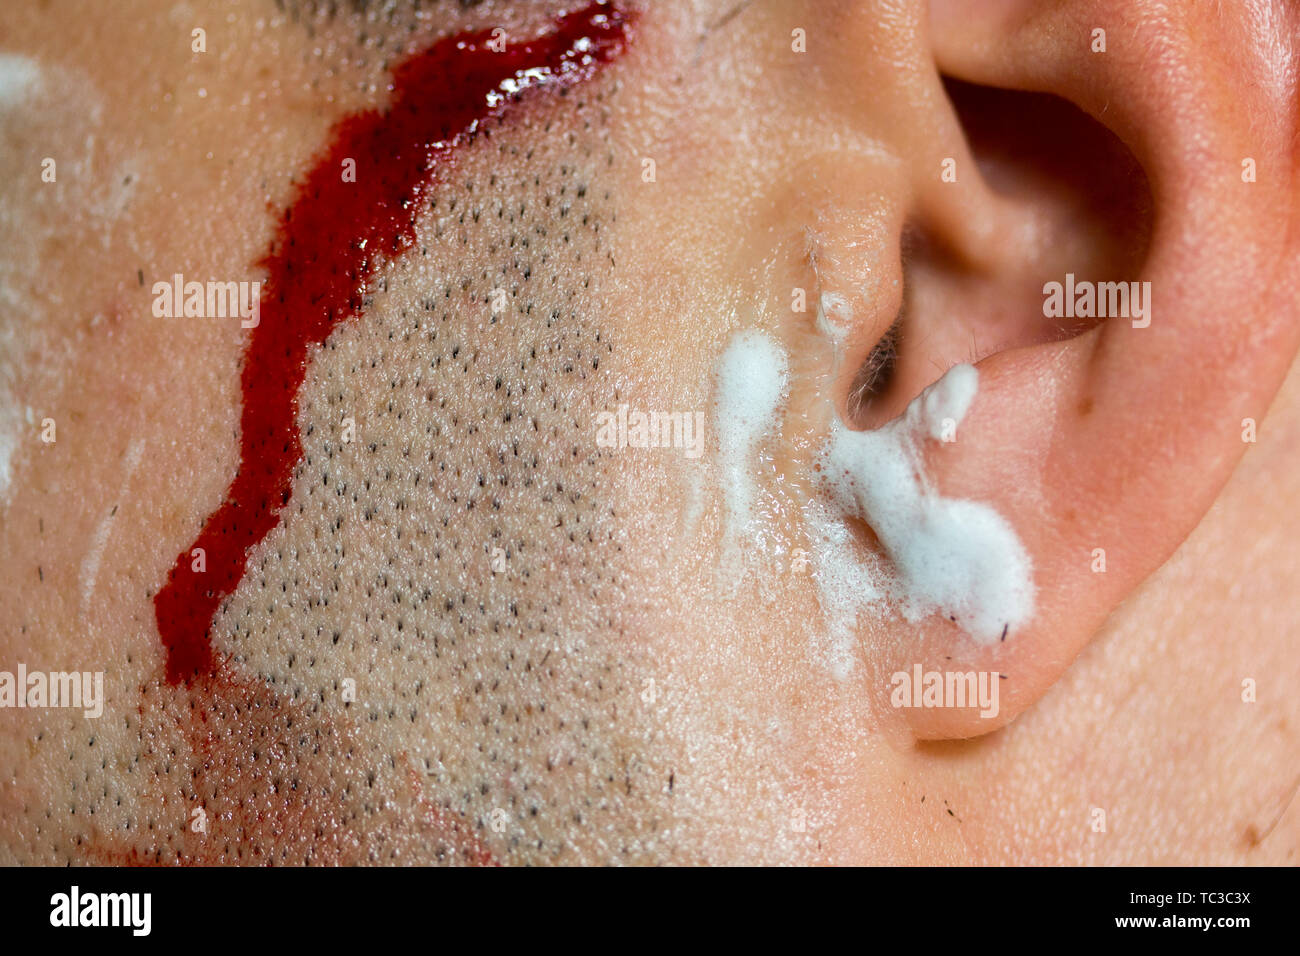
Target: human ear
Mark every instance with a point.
(1100, 436)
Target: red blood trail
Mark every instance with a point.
(324, 252)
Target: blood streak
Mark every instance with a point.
(326, 248)
(278, 781)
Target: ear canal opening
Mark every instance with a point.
(876, 373)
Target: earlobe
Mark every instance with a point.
(1100, 443)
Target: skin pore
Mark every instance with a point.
(556, 656)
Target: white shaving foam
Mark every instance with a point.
(18, 77)
(751, 380)
(847, 581)
(90, 563)
(8, 446)
(956, 557)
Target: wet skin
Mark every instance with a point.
(553, 659)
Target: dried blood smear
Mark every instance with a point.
(268, 780)
(324, 252)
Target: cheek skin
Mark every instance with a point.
(459, 559)
(479, 697)
(591, 700)
(357, 205)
